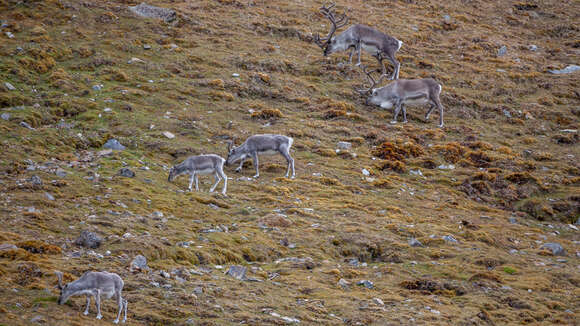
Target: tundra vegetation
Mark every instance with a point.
(456, 225)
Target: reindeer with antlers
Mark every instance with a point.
(404, 91)
(359, 37)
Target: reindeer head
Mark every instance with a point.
(372, 93)
(234, 153)
(329, 43)
(172, 174)
(64, 290)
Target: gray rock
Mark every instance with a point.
(447, 18)
(449, 238)
(148, 11)
(9, 34)
(139, 263)
(88, 239)
(97, 87)
(60, 173)
(146, 46)
(49, 196)
(513, 220)
(344, 145)
(198, 290)
(9, 86)
(26, 125)
(190, 321)
(533, 47)
(38, 319)
(124, 172)
(238, 272)
(7, 246)
(343, 283)
(164, 274)
(555, 248)
(366, 283)
(354, 262)
(114, 145)
(568, 70)
(415, 243)
(5, 116)
(35, 180)
(502, 51)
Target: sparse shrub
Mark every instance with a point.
(486, 276)
(479, 158)
(267, 114)
(452, 152)
(428, 163)
(331, 114)
(542, 156)
(41, 61)
(27, 273)
(396, 166)
(392, 151)
(383, 183)
(216, 83)
(39, 247)
(566, 139)
(521, 178)
(324, 151)
(537, 209)
(510, 270)
(116, 75)
(219, 95)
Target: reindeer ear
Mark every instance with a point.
(59, 276)
(230, 145)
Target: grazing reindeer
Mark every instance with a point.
(359, 37)
(94, 284)
(201, 164)
(261, 144)
(405, 91)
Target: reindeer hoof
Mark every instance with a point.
(85, 313)
(99, 316)
(393, 122)
(256, 176)
(440, 126)
(116, 321)
(405, 121)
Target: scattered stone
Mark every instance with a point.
(237, 272)
(555, 248)
(573, 227)
(568, 70)
(7, 246)
(502, 51)
(366, 283)
(89, 239)
(288, 320)
(164, 274)
(449, 238)
(148, 11)
(198, 290)
(9, 86)
(533, 47)
(343, 283)
(415, 243)
(35, 180)
(344, 145)
(235, 74)
(168, 135)
(447, 19)
(98, 87)
(354, 262)
(446, 167)
(49, 196)
(416, 172)
(146, 46)
(60, 173)
(38, 319)
(139, 263)
(114, 145)
(124, 172)
(26, 125)
(507, 113)
(9, 34)
(135, 60)
(378, 301)
(513, 220)
(5, 116)
(366, 172)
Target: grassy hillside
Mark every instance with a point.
(482, 195)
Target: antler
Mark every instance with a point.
(371, 80)
(230, 144)
(59, 275)
(336, 23)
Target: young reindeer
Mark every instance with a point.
(94, 284)
(405, 91)
(261, 144)
(204, 165)
(359, 37)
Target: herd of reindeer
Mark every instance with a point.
(398, 93)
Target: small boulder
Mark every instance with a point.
(168, 135)
(415, 243)
(568, 70)
(5, 116)
(35, 180)
(88, 239)
(148, 11)
(343, 283)
(237, 272)
(344, 145)
(555, 248)
(450, 238)
(114, 145)
(26, 125)
(502, 51)
(533, 47)
(9, 86)
(139, 263)
(7, 246)
(49, 196)
(366, 283)
(124, 172)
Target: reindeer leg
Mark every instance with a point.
(396, 64)
(217, 180)
(88, 304)
(241, 164)
(286, 153)
(125, 308)
(120, 304)
(191, 181)
(359, 48)
(97, 294)
(397, 110)
(350, 55)
(196, 182)
(404, 113)
(256, 162)
(220, 171)
(380, 59)
(431, 107)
